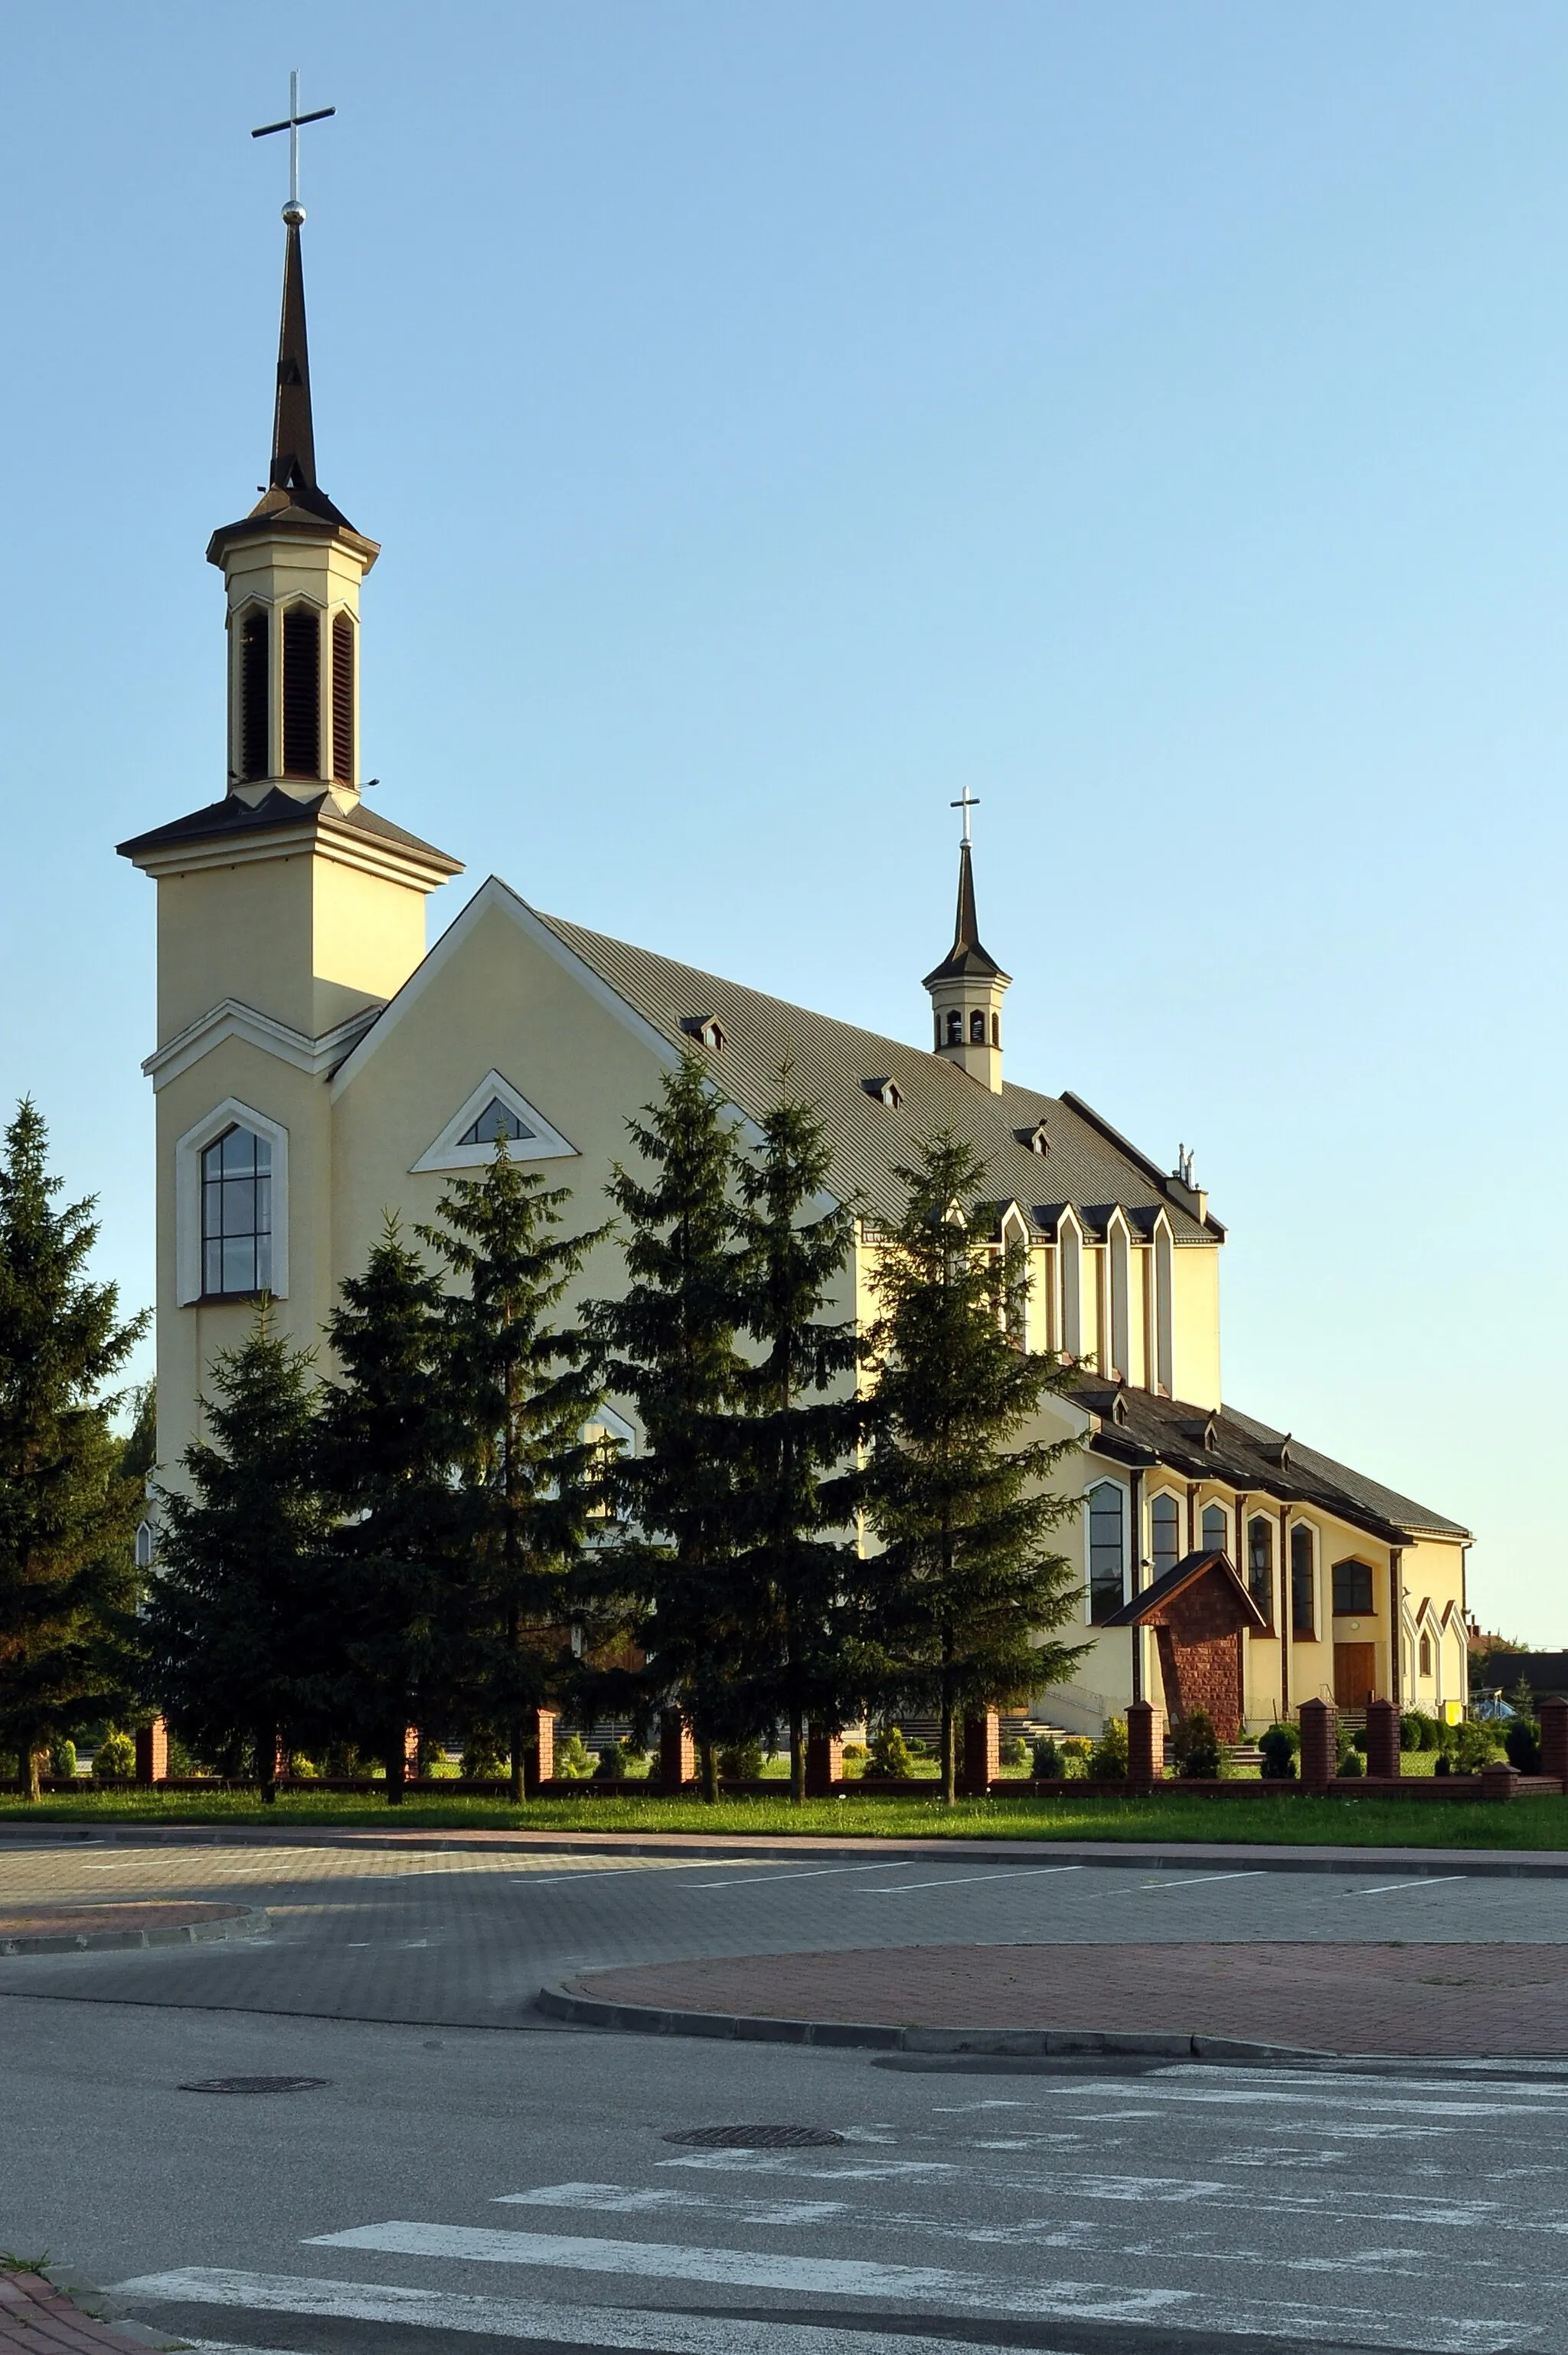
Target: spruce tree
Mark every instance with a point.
(793, 1441)
(524, 1393)
(390, 1443)
(68, 1507)
(669, 1346)
(967, 1580)
(241, 1635)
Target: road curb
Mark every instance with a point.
(250, 1922)
(1165, 2044)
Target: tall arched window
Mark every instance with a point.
(237, 1215)
(1260, 1563)
(255, 693)
(1165, 1532)
(1216, 1530)
(1108, 1550)
(343, 699)
(1426, 1655)
(302, 692)
(955, 1028)
(1303, 1611)
(996, 1030)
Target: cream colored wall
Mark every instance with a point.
(300, 937)
(1195, 1314)
(1137, 1318)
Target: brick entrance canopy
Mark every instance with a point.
(1198, 1611)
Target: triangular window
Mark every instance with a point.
(496, 1119)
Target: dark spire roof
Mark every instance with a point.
(967, 960)
(292, 494)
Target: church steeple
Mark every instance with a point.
(293, 567)
(968, 986)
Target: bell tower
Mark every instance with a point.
(967, 989)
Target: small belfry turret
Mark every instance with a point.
(293, 568)
(967, 988)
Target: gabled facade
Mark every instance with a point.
(315, 1067)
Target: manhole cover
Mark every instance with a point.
(759, 2137)
(252, 2085)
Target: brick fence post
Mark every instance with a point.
(824, 1762)
(538, 1749)
(979, 1757)
(151, 1753)
(1499, 1781)
(1319, 1745)
(1145, 1744)
(1382, 1738)
(1553, 1716)
(677, 1752)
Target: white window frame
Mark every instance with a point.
(230, 1114)
(1218, 1505)
(546, 1143)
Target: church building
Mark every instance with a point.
(317, 1065)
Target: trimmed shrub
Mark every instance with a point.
(1109, 1758)
(1359, 1738)
(890, 1754)
(483, 1759)
(1012, 1750)
(63, 1761)
(1047, 1758)
(1475, 1746)
(303, 1769)
(611, 1764)
(1521, 1743)
(1199, 1757)
(741, 1761)
(575, 1761)
(114, 1760)
(1445, 1765)
(1279, 1745)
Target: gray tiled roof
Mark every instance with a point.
(830, 1064)
(1249, 1456)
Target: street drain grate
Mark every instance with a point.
(759, 2137)
(253, 2084)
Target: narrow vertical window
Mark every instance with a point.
(302, 692)
(255, 694)
(1165, 1532)
(1216, 1530)
(237, 1215)
(1107, 1552)
(1303, 1617)
(1260, 1563)
(343, 699)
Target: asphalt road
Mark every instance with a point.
(443, 2192)
(453, 1938)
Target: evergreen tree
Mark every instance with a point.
(794, 1439)
(240, 1634)
(524, 1394)
(390, 1443)
(967, 1580)
(67, 1509)
(669, 1345)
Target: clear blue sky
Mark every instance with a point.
(777, 418)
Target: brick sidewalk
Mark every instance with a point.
(36, 2318)
(1453, 2000)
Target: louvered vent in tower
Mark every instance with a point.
(302, 692)
(255, 684)
(343, 699)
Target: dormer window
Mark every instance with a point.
(496, 1119)
(708, 1031)
(886, 1092)
(1035, 1139)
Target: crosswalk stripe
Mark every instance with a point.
(505, 2317)
(753, 2269)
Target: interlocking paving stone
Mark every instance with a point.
(36, 2317)
(1452, 2000)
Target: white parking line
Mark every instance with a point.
(1427, 1882)
(954, 1879)
(815, 1873)
(1195, 1880)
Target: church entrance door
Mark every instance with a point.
(1355, 1675)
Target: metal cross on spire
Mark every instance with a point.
(966, 803)
(294, 211)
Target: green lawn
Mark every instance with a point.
(1285, 1821)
